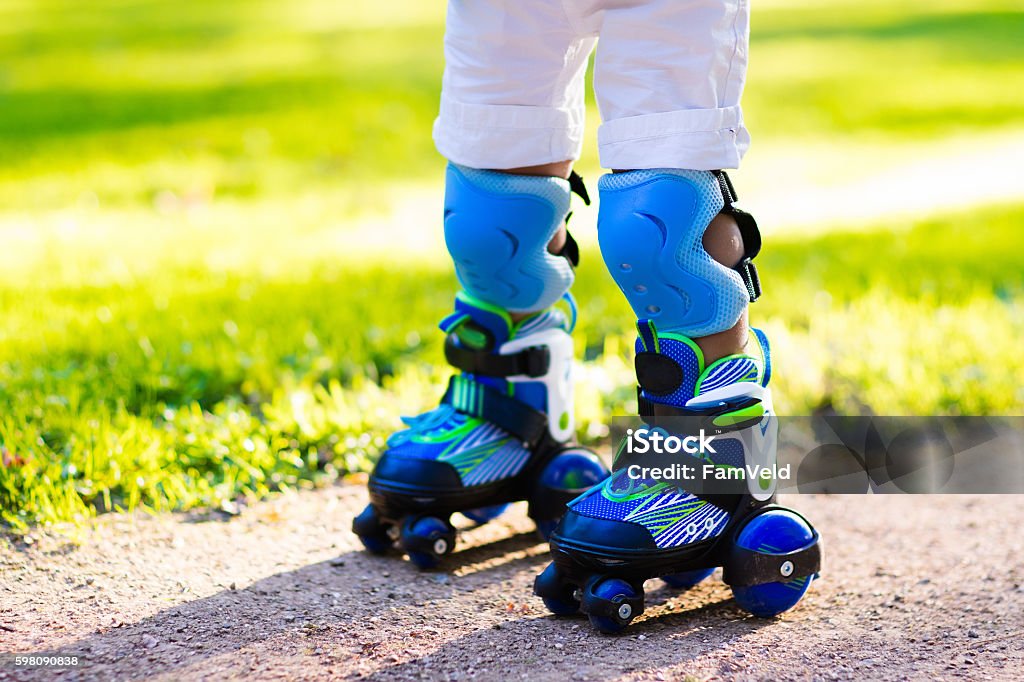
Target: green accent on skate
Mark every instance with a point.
(469, 459)
(468, 395)
(472, 300)
(563, 421)
(460, 430)
(641, 490)
(797, 584)
(739, 416)
(661, 520)
(471, 338)
(454, 323)
(765, 483)
(751, 376)
(518, 325)
(763, 363)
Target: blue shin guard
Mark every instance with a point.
(497, 227)
(651, 227)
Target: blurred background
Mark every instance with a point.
(221, 263)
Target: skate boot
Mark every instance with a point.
(630, 529)
(501, 434)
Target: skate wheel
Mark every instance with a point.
(616, 594)
(557, 594)
(485, 514)
(371, 531)
(426, 539)
(570, 473)
(777, 531)
(687, 579)
(573, 469)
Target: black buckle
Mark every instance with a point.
(537, 360)
(570, 250)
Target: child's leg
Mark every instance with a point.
(668, 79)
(510, 125)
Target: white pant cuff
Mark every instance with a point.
(507, 136)
(697, 139)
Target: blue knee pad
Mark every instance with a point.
(650, 228)
(497, 227)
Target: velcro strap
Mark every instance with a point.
(488, 403)
(748, 272)
(570, 250)
(685, 420)
(577, 186)
(533, 361)
(748, 231)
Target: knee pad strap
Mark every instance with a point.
(650, 228)
(497, 227)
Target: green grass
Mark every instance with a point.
(194, 308)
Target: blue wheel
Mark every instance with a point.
(485, 514)
(616, 592)
(573, 469)
(371, 531)
(777, 531)
(376, 545)
(570, 473)
(687, 579)
(558, 595)
(424, 560)
(426, 539)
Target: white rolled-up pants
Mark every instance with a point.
(668, 76)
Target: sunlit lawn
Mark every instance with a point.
(191, 313)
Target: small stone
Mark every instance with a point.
(149, 641)
(973, 634)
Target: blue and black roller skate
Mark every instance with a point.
(501, 434)
(630, 529)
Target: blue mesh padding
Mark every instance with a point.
(728, 451)
(595, 505)
(650, 227)
(497, 227)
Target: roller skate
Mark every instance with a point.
(501, 434)
(629, 529)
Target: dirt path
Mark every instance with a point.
(913, 587)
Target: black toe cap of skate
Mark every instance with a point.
(422, 474)
(608, 534)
